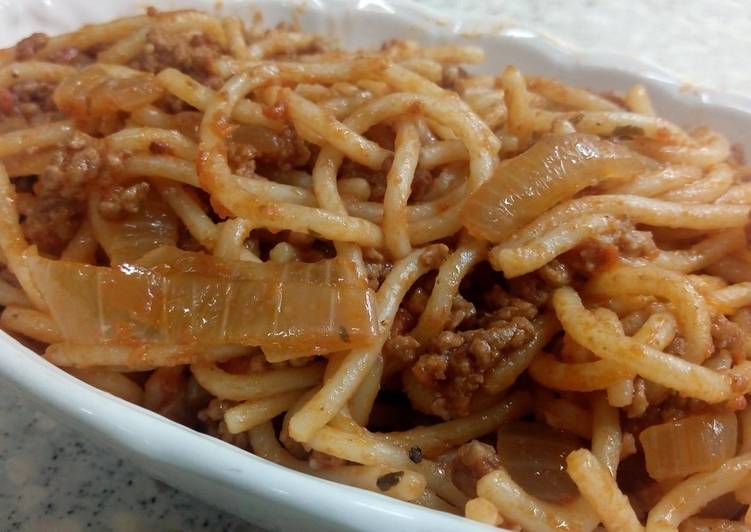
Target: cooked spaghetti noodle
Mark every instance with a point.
(498, 296)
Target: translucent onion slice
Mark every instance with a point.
(535, 456)
(306, 307)
(127, 240)
(553, 170)
(93, 91)
(169, 259)
(690, 445)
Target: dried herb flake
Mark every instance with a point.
(415, 454)
(389, 480)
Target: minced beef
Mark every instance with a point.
(451, 75)
(420, 184)
(403, 321)
(399, 352)
(462, 312)
(212, 418)
(283, 150)
(28, 47)
(27, 98)
(242, 159)
(677, 347)
(454, 364)
(534, 288)
(375, 178)
(473, 461)
(729, 336)
(555, 274)
(377, 272)
(506, 307)
(70, 171)
(120, 201)
(415, 302)
(604, 250)
(51, 216)
(50, 222)
(194, 55)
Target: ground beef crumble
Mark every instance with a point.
(604, 250)
(729, 336)
(51, 216)
(376, 269)
(28, 47)
(283, 150)
(194, 55)
(27, 98)
(212, 418)
(120, 201)
(473, 461)
(454, 364)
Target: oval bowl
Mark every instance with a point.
(261, 492)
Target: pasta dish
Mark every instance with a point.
(499, 296)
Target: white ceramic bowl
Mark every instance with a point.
(261, 492)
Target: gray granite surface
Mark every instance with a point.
(52, 479)
(55, 480)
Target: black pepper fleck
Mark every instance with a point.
(389, 480)
(415, 454)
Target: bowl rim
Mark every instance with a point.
(145, 433)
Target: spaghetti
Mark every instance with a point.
(497, 296)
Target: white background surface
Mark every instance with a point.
(705, 42)
(54, 481)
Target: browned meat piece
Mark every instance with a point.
(28, 98)
(463, 313)
(377, 272)
(398, 353)
(507, 307)
(603, 251)
(404, 321)
(242, 159)
(555, 274)
(212, 418)
(193, 54)
(52, 215)
(451, 75)
(28, 47)
(454, 364)
(420, 184)
(534, 288)
(473, 461)
(50, 222)
(447, 371)
(119, 201)
(72, 169)
(729, 336)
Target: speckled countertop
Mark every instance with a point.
(55, 480)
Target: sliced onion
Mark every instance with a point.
(535, 456)
(212, 302)
(169, 259)
(690, 445)
(551, 171)
(127, 240)
(93, 91)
